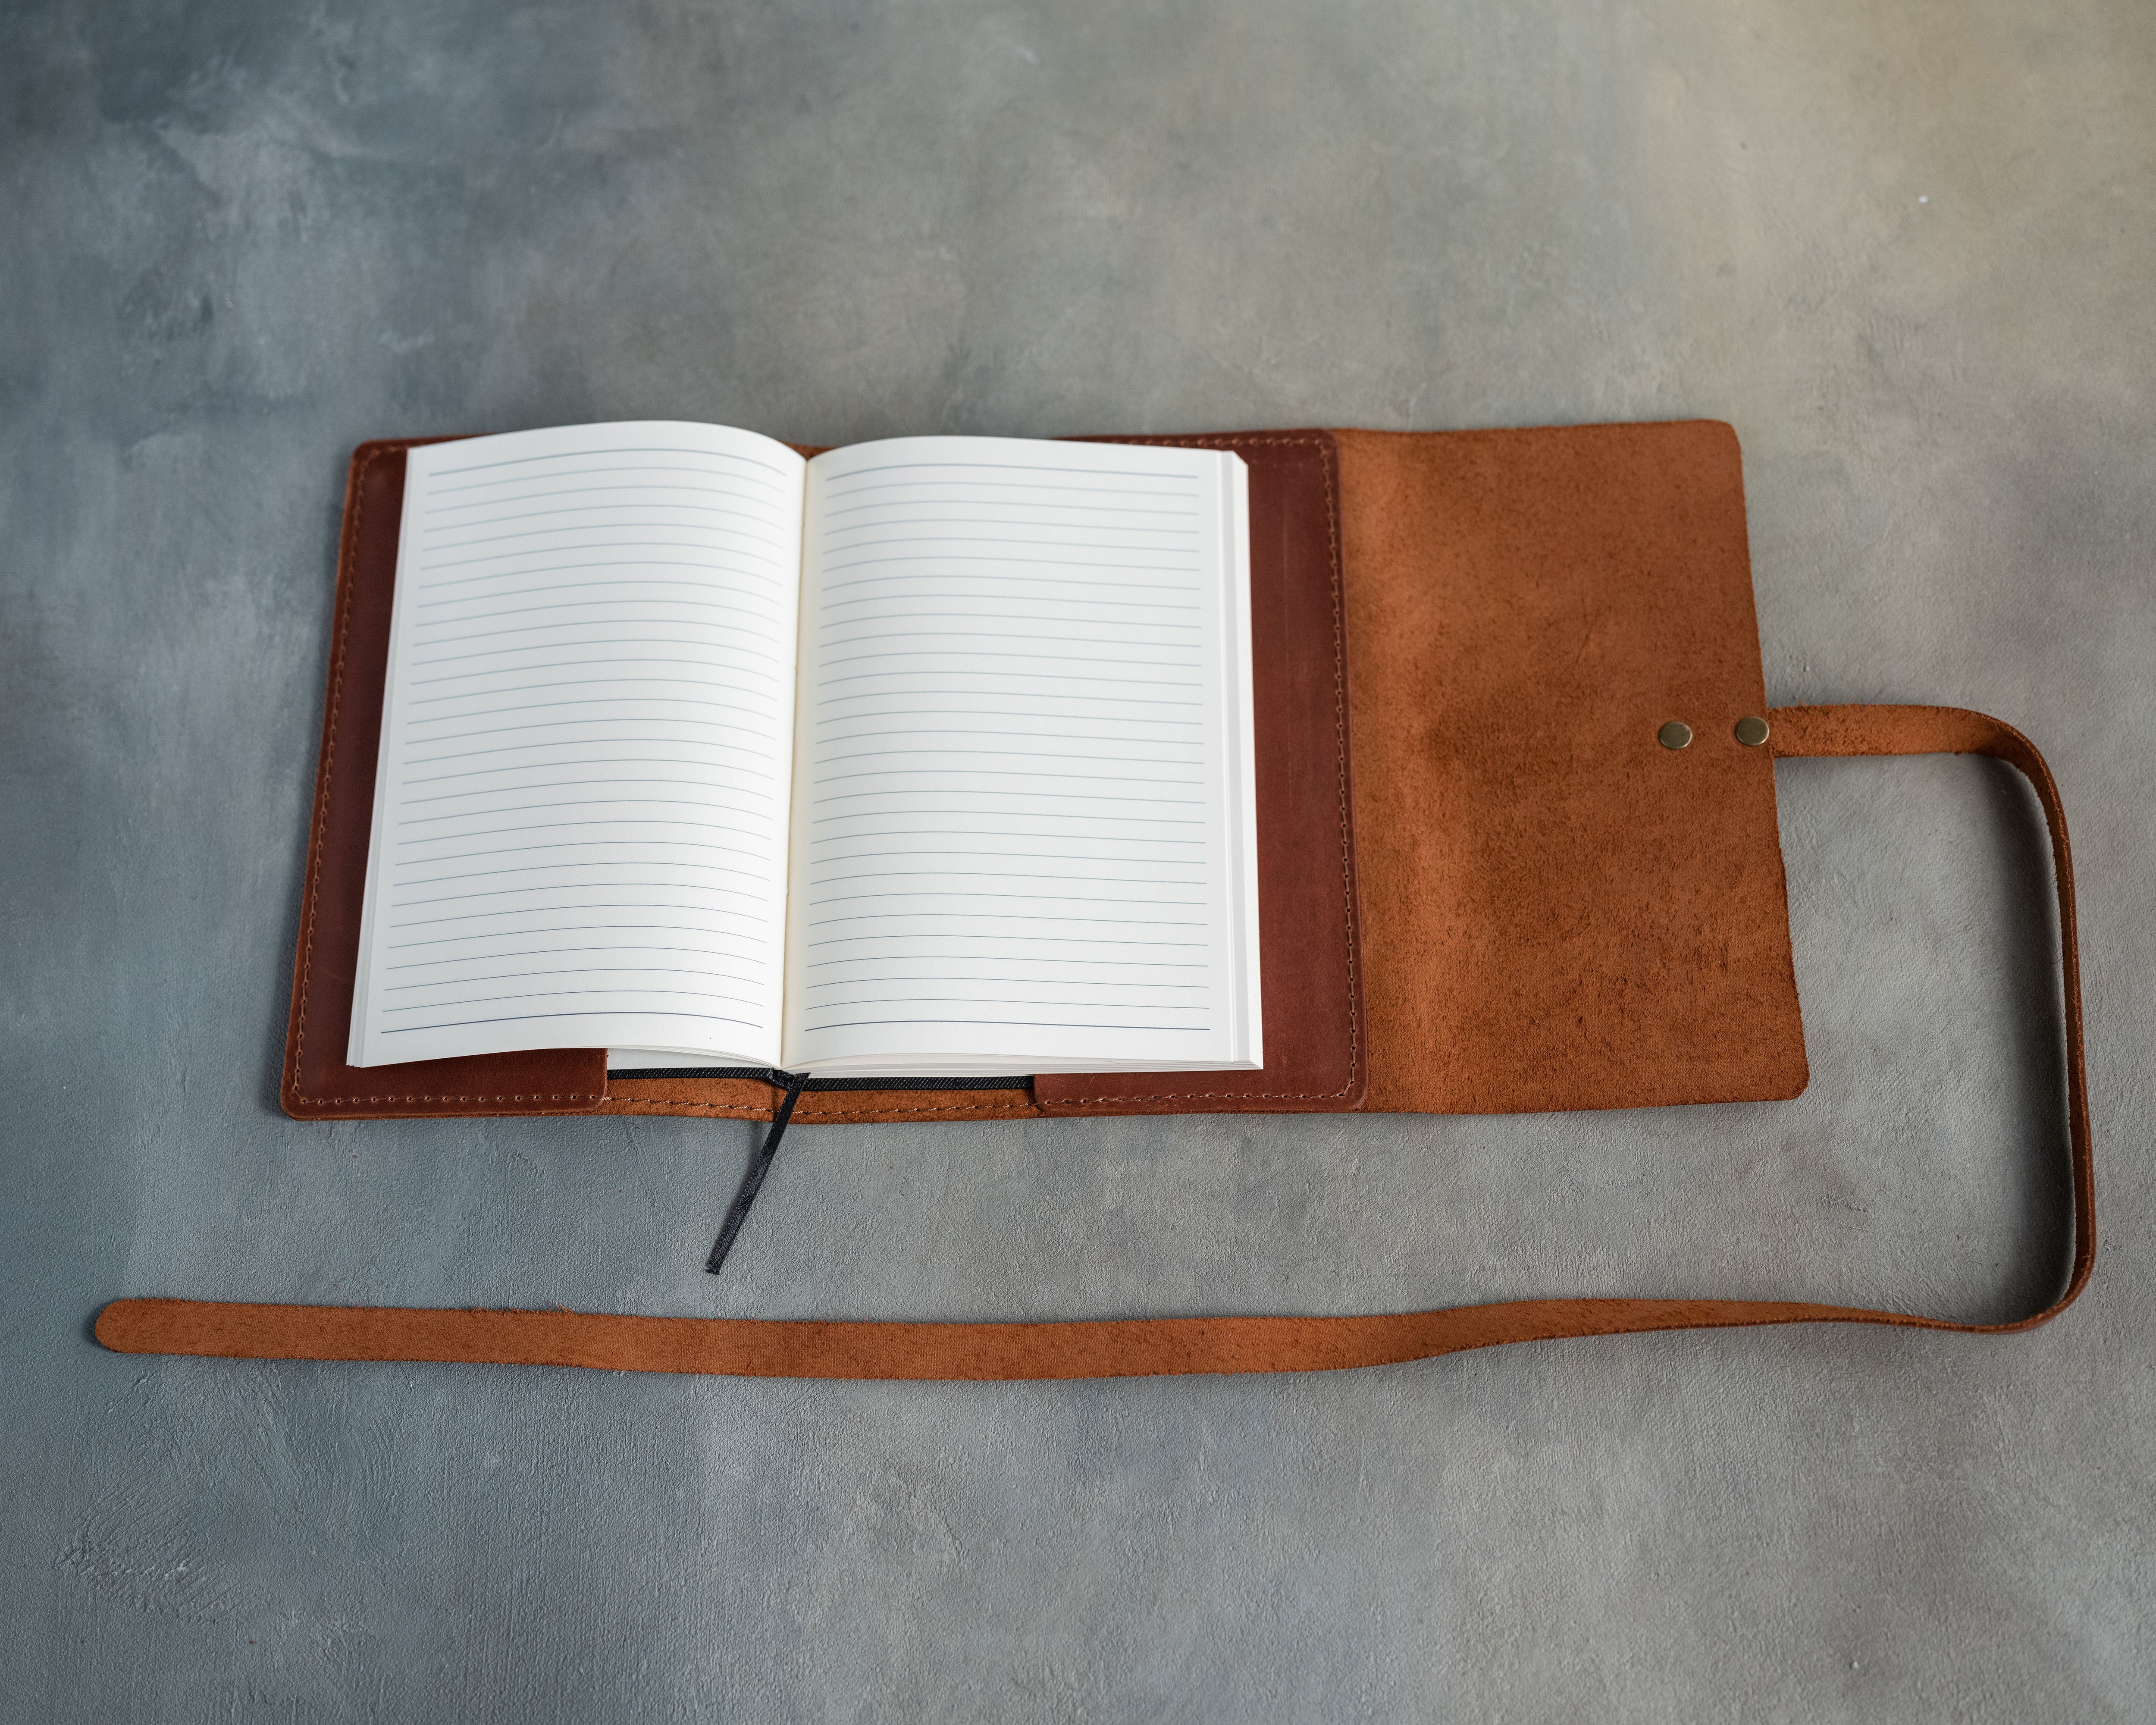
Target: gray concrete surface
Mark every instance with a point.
(1909, 251)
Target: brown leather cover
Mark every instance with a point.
(1558, 912)
(1485, 887)
(755, 1347)
(1306, 853)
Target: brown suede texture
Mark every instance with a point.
(752, 1347)
(1557, 911)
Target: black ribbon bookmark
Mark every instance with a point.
(793, 1083)
(752, 1181)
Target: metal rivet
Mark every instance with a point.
(1674, 735)
(1751, 731)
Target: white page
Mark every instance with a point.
(580, 805)
(1024, 822)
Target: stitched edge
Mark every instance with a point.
(752, 1110)
(1327, 456)
(344, 556)
(733, 1111)
(573, 1096)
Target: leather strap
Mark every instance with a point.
(1145, 1347)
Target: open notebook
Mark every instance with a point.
(932, 756)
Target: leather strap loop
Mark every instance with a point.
(1147, 1347)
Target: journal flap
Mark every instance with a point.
(1560, 911)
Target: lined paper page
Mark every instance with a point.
(581, 807)
(1022, 832)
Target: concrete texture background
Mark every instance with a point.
(1909, 251)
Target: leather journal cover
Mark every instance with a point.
(1484, 885)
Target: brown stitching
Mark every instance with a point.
(890, 1116)
(346, 554)
(1326, 452)
(581, 1096)
(345, 573)
(630, 1104)
(376, 1096)
(753, 1111)
(572, 1097)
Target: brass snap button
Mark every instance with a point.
(1751, 731)
(1674, 735)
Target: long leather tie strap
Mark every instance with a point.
(1144, 1347)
